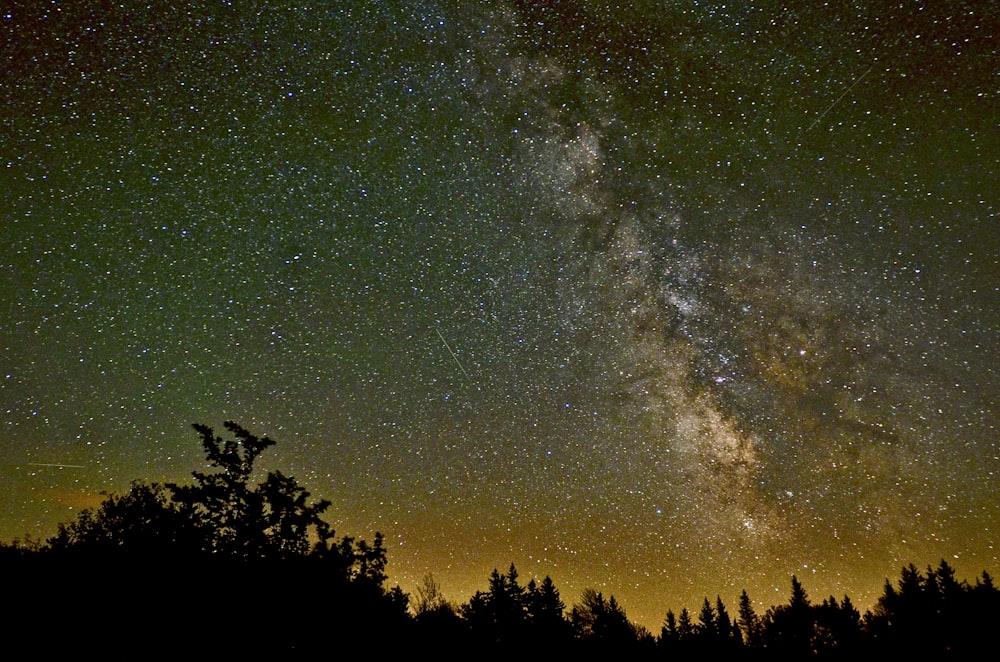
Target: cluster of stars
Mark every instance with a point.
(669, 303)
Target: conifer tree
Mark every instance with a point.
(749, 622)
(707, 626)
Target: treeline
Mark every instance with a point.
(225, 567)
(927, 615)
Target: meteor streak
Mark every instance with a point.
(842, 95)
(448, 347)
(59, 466)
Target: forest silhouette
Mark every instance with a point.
(226, 567)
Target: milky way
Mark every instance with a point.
(669, 301)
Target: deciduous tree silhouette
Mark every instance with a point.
(584, 614)
(144, 521)
(438, 626)
(232, 543)
(429, 598)
(272, 521)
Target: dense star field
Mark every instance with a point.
(668, 300)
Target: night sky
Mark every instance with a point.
(669, 300)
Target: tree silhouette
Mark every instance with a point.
(982, 602)
(613, 627)
(837, 628)
(233, 544)
(668, 631)
(602, 624)
(685, 628)
(686, 643)
(707, 629)
(498, 616)
(903, 617)
(715, 633)
(749, 623)
(584, 614)
(371, 562)
(143, 521)
(547, 624)
(933, 614)
(438, 626)
(273, 520)
(788, 629)
(429, 598)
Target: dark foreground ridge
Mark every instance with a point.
(225, 567)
